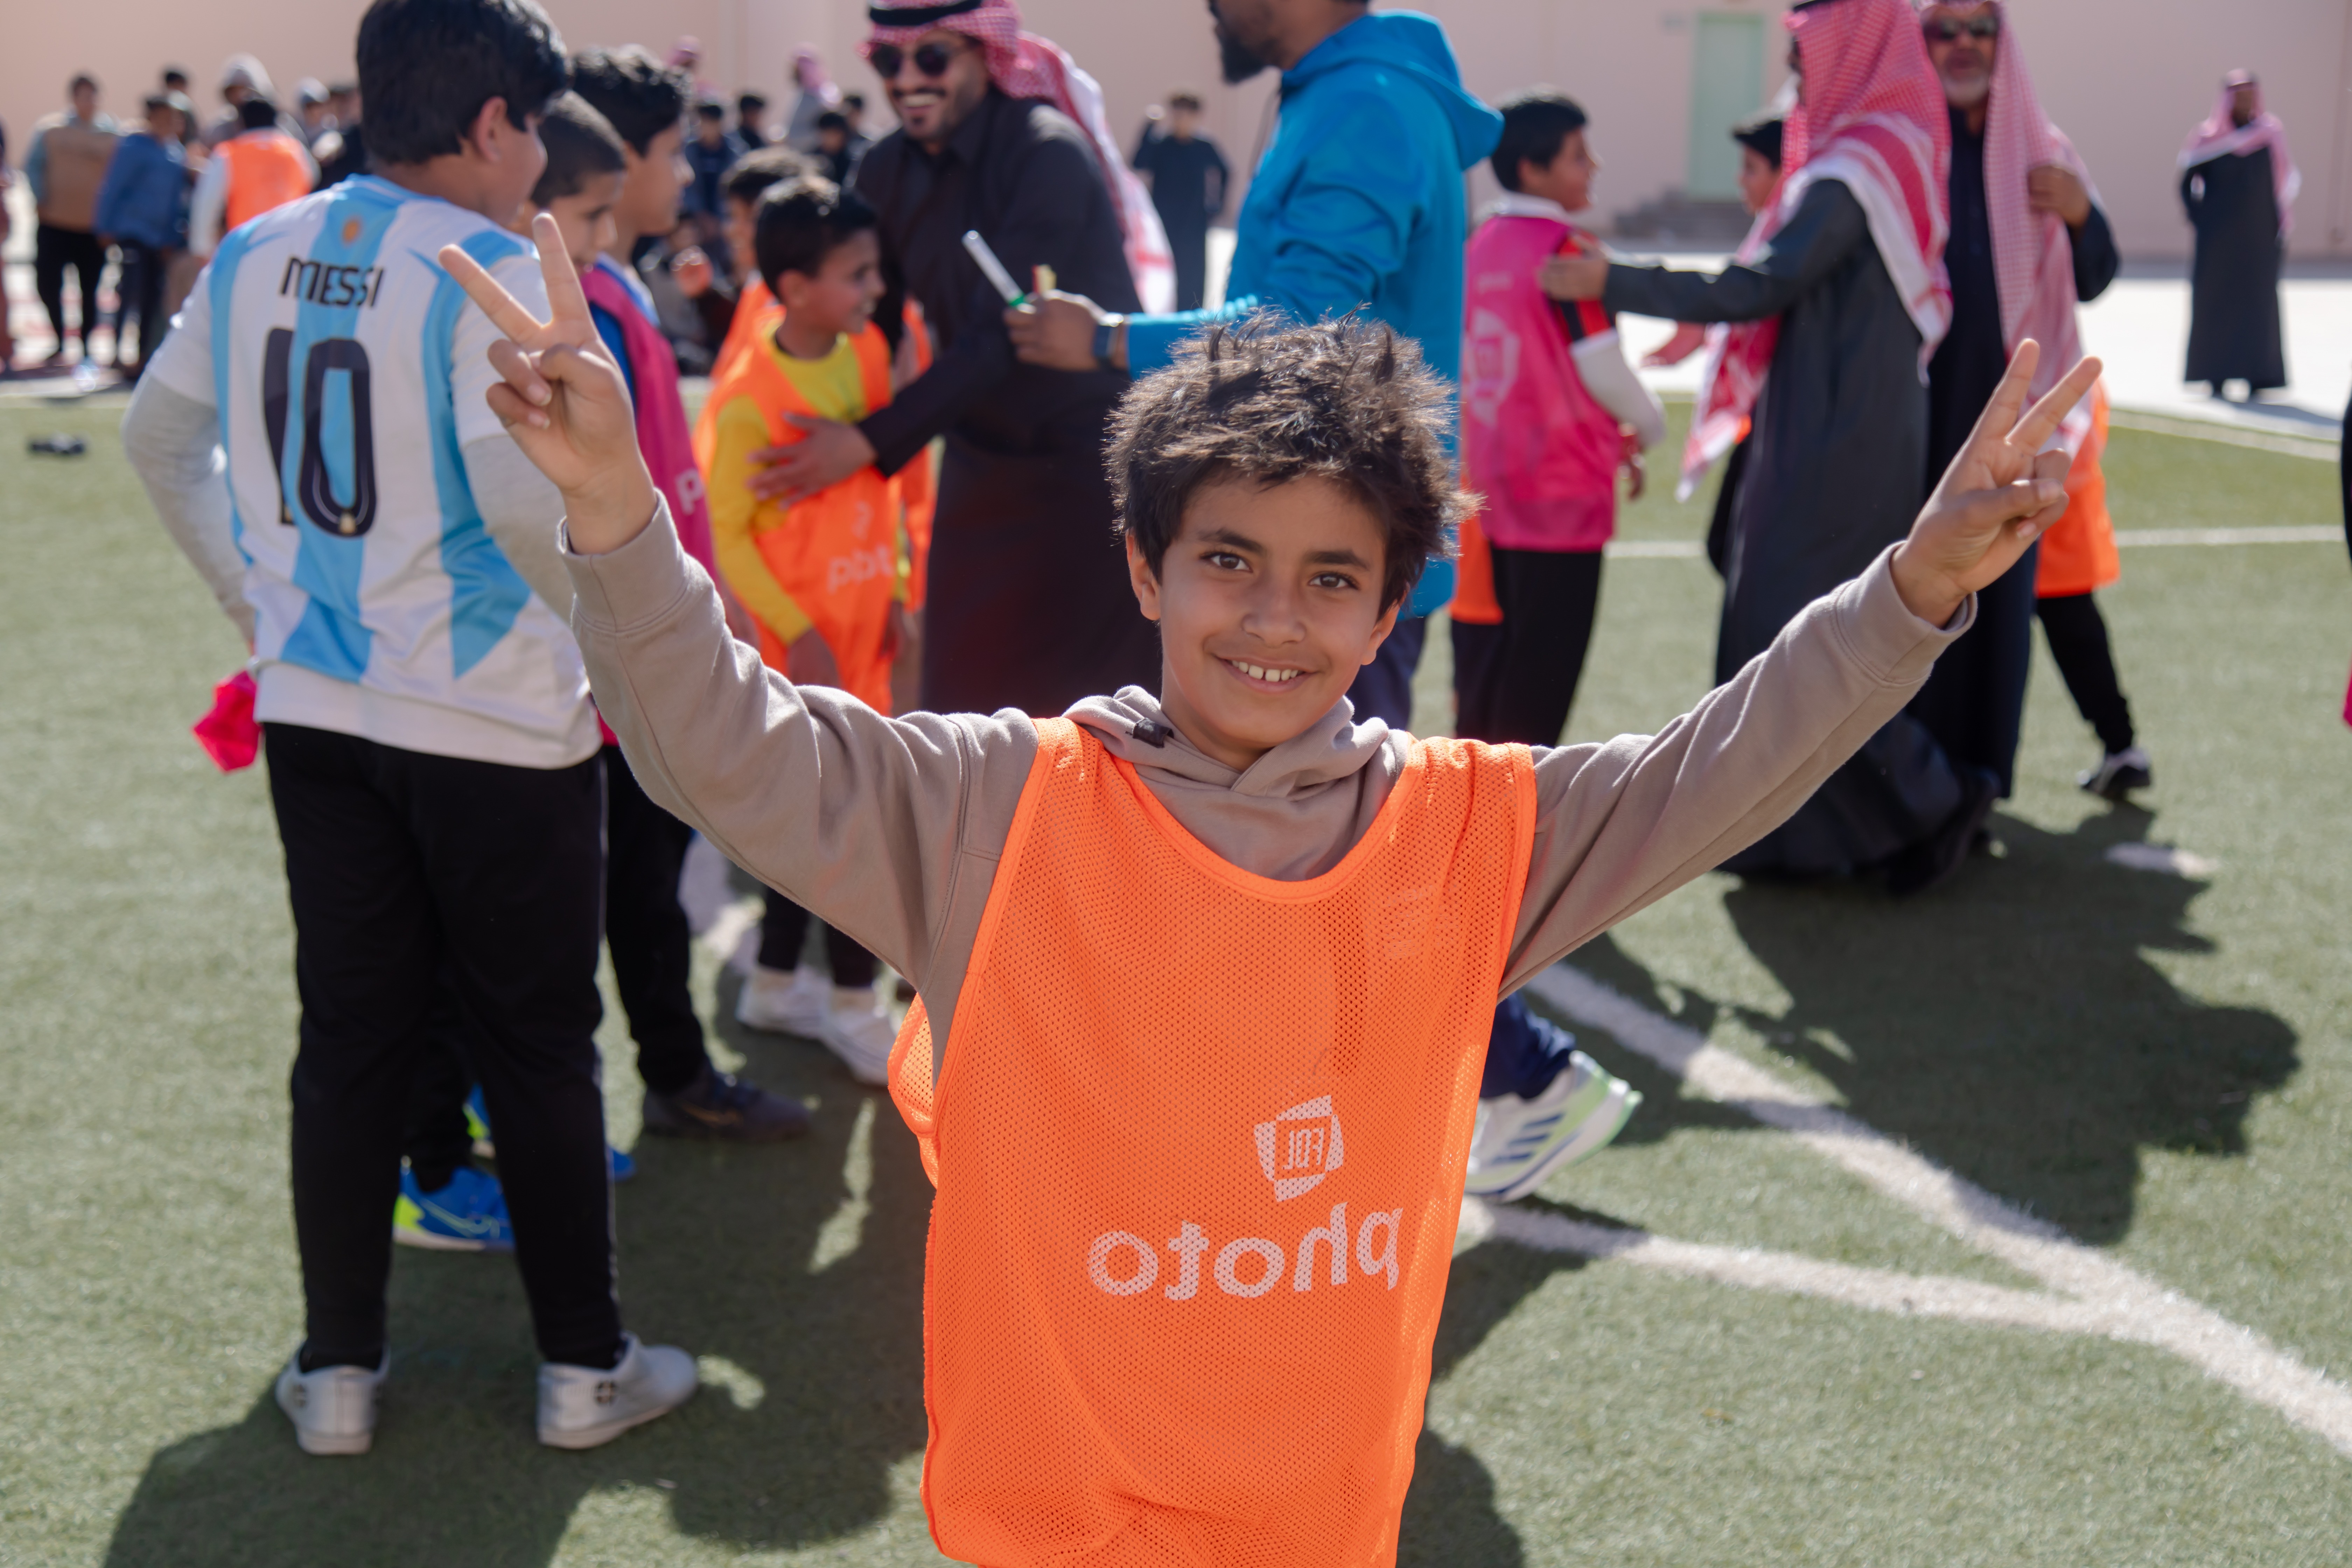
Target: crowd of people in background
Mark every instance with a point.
(895, 494)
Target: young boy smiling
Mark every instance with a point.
(823, 575)
(1186, 961)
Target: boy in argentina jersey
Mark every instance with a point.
(315, 438)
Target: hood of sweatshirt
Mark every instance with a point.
(1414, 45)
(1293, 814)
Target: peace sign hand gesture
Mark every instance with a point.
(563, 398)
(2001, 492)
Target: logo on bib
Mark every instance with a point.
(1300, 1147)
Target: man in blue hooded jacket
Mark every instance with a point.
(1359, 206)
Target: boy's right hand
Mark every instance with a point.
(563, 398)
(810, 661)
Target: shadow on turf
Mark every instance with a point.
(716, 1249)
(715, 1252)
(2010, 1026)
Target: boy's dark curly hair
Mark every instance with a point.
(642, 97)
(1269, 401)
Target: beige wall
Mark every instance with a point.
(2126, 80)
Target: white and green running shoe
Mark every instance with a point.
(1520, 1142)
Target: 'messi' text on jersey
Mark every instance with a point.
(337, 287)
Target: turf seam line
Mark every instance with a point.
(2126, 538)
(2120, 1303)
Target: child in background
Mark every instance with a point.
(586, 189)
(1550, 411)
(749, 314)
(432, 750)
(824, 577)
(730, 309)
(1759, 182)
(2078, 558)
(1166, 946)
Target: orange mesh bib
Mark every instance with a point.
(2078, 551)
(1200, 1139)
(836, 552)
(266, 171)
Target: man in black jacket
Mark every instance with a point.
(2010, 178)
(1027, 605)
(1852, 278)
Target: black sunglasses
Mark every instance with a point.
(931, 60)
(1944, 30)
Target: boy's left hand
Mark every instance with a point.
(562, 397)
(2001, 492)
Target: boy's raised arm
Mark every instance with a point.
(1620, 825)
(877, 825)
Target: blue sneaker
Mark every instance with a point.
(477, 1122)
(470, 1214)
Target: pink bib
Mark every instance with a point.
(661, 433)
(1534, 442)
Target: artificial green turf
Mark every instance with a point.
(2159, 1065)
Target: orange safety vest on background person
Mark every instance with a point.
(1475, 603)
(1200, 1139)
(756, 315)
(918, 481)
(2078, 552)
(266, 169)
(836, 552)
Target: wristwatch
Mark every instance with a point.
(1106, 334)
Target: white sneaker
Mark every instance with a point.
(2119, 773)
(334, 1408)
(775, 1002)
(860, 1032)
(582, 1406)
(1521, 1142)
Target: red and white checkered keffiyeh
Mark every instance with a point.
(2033, 256)
(1023, 65)
(1873, 119)
(2219, 137)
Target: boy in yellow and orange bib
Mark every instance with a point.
(826, 575)
(1207, 977)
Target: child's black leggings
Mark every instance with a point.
(2078, 642)
(784, 929)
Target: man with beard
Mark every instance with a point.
(999, 132)
(1359, 206)
(2027, 241)
(2237, 182)
(1841, 295)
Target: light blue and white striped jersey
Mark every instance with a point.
(349, 372)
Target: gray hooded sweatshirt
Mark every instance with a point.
(891, 828)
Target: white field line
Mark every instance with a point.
(1787, 1273)
(2297, 533)
(2120, 1303)
(2227, 434)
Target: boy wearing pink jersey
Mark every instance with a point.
(1550, 411)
